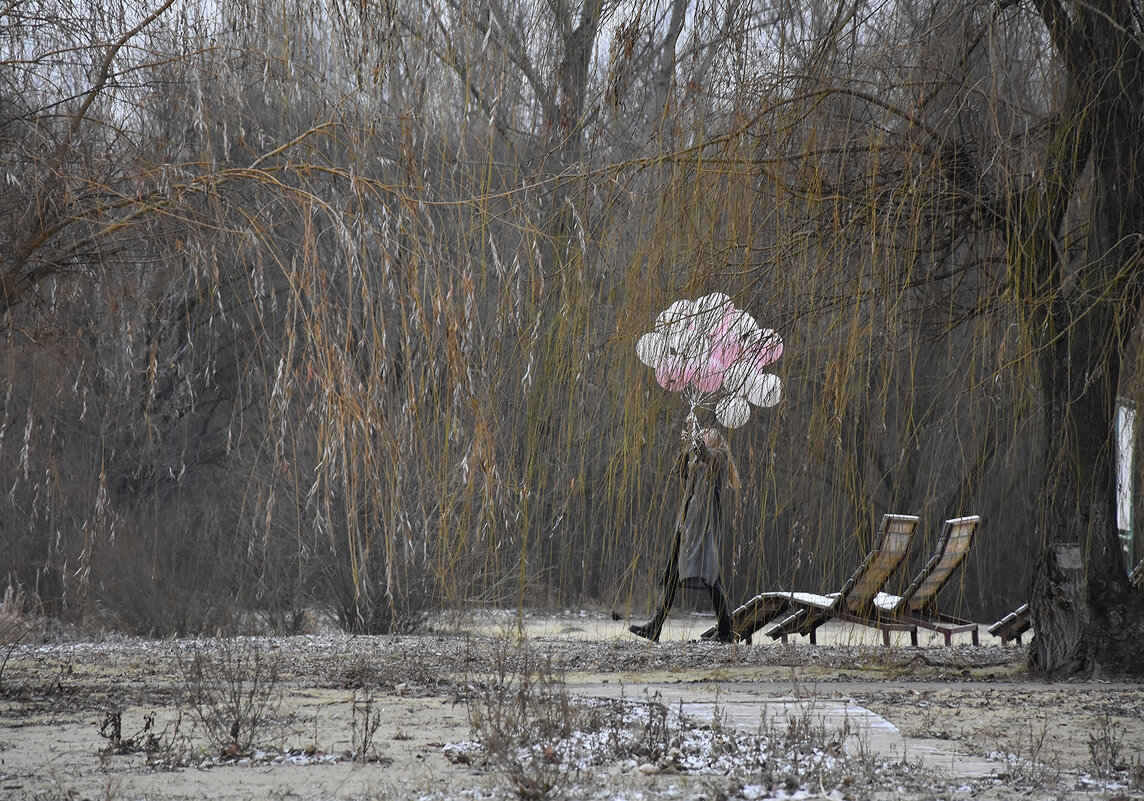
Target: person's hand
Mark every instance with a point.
(690, 428)
(710, 438)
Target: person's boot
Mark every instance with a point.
(649, 630)
(723, 632)
(726, 636)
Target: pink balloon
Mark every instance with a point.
(724, 329)
(726, 353)
(709, 376)
(673, 373)
(767, 351)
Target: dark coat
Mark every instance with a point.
(704, 474)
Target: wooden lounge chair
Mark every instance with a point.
(916, 607)
(810, 610)
(1013, 625)
(1019, 621)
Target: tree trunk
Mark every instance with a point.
(1057, 609)
(1086, 617)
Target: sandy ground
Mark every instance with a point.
(401, 717)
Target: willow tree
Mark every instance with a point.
(1079, 247)
(1031, 121)
(982, 163)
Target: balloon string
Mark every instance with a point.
(693, 400)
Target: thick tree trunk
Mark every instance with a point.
(1086, 616)
(1079, 580)
(1087, 619)
(1058, 611)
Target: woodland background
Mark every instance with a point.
(334, 304)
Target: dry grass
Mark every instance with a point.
(536, 718)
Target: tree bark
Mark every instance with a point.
(1057, 609)
(1086, 618)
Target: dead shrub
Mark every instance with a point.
(522, 716)
(19, 618)
(232, 690)
(531, 728)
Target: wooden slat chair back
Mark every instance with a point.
(857, 594)
(953, 546)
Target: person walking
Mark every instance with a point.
(706, 470)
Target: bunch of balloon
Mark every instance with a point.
(714, 355)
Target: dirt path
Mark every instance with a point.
(392, 717)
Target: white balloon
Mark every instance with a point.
(732, 411)
(681, 310)
(709, 311)
(744, 326)
(765, 390)
(652, 349)
(713, 301)
(738, 377)
(752, 337)
(688, 342)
